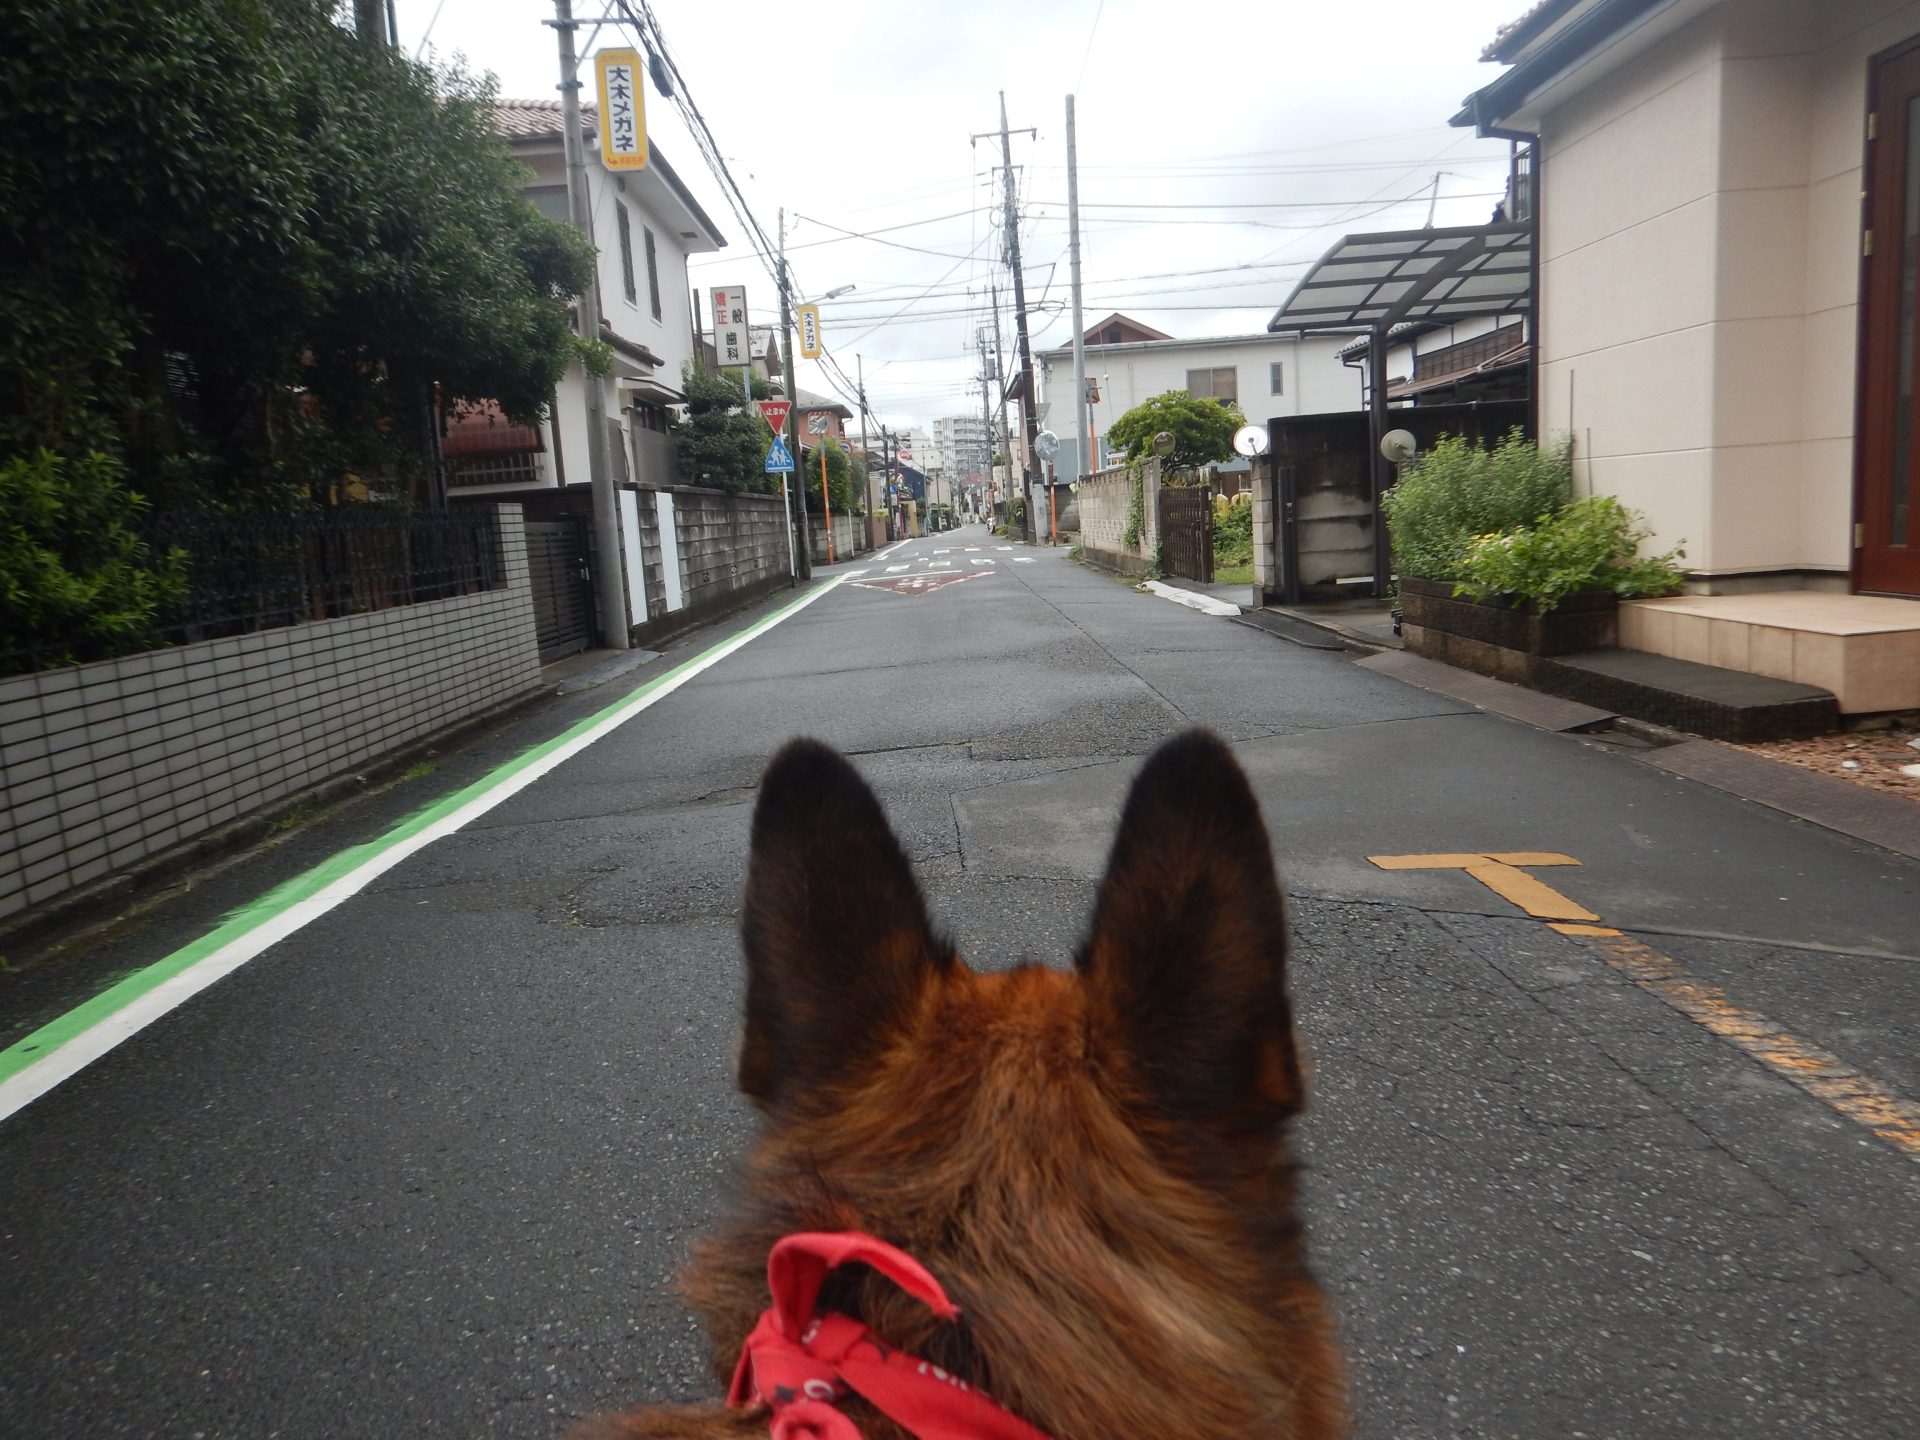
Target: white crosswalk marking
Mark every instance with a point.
(943, 552)
(895, 569)
(984, 562)
(1003, 547)
(1023, 559)
(940, 564)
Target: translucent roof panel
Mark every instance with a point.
(1384, 279)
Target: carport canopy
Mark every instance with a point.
(1376, 281)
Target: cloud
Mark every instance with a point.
(1291, 122)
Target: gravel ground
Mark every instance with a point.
(1874, 758)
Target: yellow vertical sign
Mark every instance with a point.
(623, 109)
(810, 331)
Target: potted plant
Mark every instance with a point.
(1497, 563)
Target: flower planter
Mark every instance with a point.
(1501, 637)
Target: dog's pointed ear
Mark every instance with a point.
(835, 929)
(1186, 964)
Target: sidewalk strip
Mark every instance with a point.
(63, 1047)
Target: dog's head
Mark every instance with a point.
(1092, 1161)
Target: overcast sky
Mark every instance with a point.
(1221, 150)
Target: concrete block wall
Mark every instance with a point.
(106, 765)
(729, 544)
(1266, 569)
(1105, 498)
(849, 538)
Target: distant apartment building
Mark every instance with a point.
(958, 446)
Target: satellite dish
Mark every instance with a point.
(1164, 442)
(1250, 440)
(1399, 446)
(1046, 444)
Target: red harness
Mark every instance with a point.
(802, 1364)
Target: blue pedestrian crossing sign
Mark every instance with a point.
(779, 458)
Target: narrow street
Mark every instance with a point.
(426, 1166)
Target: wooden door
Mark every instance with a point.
(1887, 539)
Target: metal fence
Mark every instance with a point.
(1186, 531)
(247, 572)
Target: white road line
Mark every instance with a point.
(896, 569)
(1023, 559)
(983, 562)
(1003, 547)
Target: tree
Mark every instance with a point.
(840, 477)
(1202, 428)
(721, 443)
(248, 269)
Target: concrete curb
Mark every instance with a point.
(1193, 600)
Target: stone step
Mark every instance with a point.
(1707, 700)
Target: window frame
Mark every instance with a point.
(624, 223)
(653, 269)
(1212, 392)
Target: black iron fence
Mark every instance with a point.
(247, 572)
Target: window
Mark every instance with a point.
(1276, 381)
(550, 201)
(1222, 384)
(626, 252)
(653, 272)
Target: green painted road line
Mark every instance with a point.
(63, 1046)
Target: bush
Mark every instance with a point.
(77, 581)
(1233, 529)
(1591, 544)
(1458, 491)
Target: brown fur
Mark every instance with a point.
(1093, 1163)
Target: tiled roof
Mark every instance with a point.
(533, 118)
(1515, 33)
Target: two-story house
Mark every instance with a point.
(645, 225)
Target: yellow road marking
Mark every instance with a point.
(1818, 1072)
(1501, 873)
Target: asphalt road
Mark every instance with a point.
(425, 1166)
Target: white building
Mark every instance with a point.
(1268, 376)
(646, 224)
(958, 446)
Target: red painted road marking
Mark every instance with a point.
(917, 584)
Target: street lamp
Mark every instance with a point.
(834, 294)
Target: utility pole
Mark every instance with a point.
(986, 414)
(793, 410)
(608, 559)
(1032, 423)
(1006, 434)
(370, 23)
(866, 467)
(1082, 439)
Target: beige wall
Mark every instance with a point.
(1700, 265)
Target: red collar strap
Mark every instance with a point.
(801, 1364)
